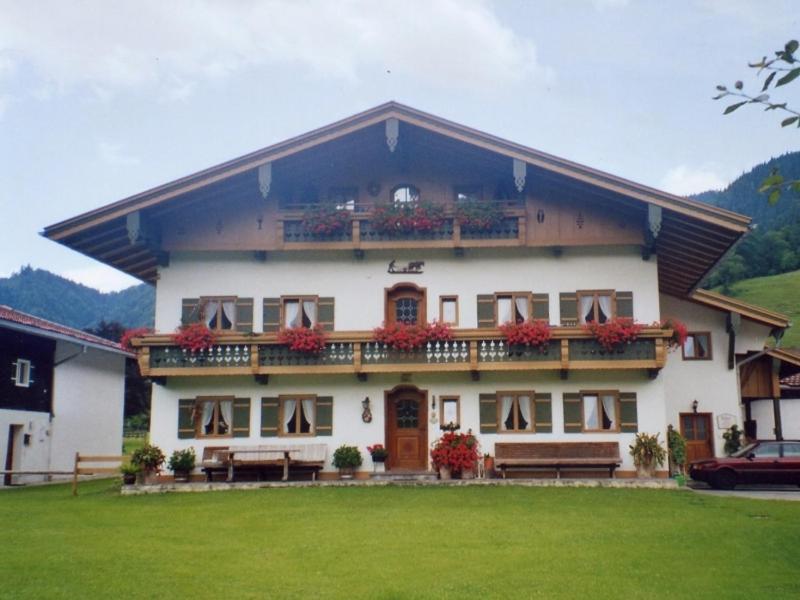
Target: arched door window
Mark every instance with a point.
(404, 195)
(405, 303)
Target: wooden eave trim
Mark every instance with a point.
(746, 310)
(782, 355)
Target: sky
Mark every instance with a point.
(101, 100)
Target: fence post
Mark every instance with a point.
(75, 474)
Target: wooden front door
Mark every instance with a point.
(407, 429)
(697, 429)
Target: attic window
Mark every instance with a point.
(405, 194)
(22, 375)
(343, 197)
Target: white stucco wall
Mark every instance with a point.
(32, 457)
(763, 414)
(358, 285)
(88, 402)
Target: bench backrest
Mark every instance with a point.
(311, 453)
(210, 453)
(300, 452)
(537, 450)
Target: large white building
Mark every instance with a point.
(519, 235)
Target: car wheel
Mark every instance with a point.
(724, 479)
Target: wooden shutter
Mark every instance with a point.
(244, 315)
(568, 302)
(186, 419)
(272, 315)
(241, 417)
(541, 307)
(486, 310)
(488, 412)
(324, 415)
(190, 310)
(573, 413)
(625, 304)
(628, 414)
(543, 413)
(325, 313)
(269, 417)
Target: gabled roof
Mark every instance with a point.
(693, 237)
(20, 321)
(747, 310)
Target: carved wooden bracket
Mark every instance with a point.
(520, 173)
(392, 133)
(265, 179)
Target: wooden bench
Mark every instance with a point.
(262, 459)
(556, 455)
(215, 460)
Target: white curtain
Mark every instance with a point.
(289, 407)
(522, 308)
(610, 408)
(700, 351)
(605, 306)
(292, 314)
(525, 409)
(507, 404)
(590, 415)
(229, 310)
(212, 306)
(208, 414)
(586, 313)
(310, 311)
(308, 411)
(503, 310)
(448, 311)
(226, 411)
(688, 347)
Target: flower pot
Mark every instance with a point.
(147, 477)
(129, 478)
(468, 474)
(181, 476)
(647, 471)
(445, 473)
(378, 466)
(488, 466)
(346, 472)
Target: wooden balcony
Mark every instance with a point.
(354, 352)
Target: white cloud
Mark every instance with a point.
(114, 46)
(113, 154)
(684, 180)
(100, 277)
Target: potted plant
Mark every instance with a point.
(679, 332)
(676, 445)
(527, 333)
(408, 337)
(326, 220)
(407, 218)
(647, 453)
(148, 459)
(195, 337)
(733, 439)
(455, 453)
(346, 459)
(379, 455)
(129, 472)
(307, 340)
(615, 332)
(181, 463)
(488, 466)
(478, 216)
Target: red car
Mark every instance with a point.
(764, 461)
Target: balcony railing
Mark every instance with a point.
(354, 352)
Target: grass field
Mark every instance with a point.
(129, 444)
(416, 542)
(776, 292)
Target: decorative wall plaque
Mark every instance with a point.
(413, 267)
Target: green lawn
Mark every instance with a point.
(414, 542)
(129, 444)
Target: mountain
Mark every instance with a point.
(50, 296)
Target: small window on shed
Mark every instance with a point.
(22, 374)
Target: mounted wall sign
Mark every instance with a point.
(415, 266)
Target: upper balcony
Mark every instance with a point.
(354, 352)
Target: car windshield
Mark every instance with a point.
(744, 451)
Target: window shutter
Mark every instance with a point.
(625, 304)
(488, 412)
(190, 310)
(543, 415)
(628, 416)
(324, 415)
(244, 315)
(541, 307)
(486, 310)
(269, 417)
(186, 419)
(325, 313)
(568, 302)
(272, 315)
(241, 417)
(573, 413)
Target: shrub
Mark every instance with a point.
(129, 469)
(148, 458)
(733, 439)
(614, 332)
(676, 445)
(535, 333)
(194, 337)
(647, 450)
(303, 339)
(347, 457)
(182, 460)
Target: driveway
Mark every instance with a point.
(758, 492)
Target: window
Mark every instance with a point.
(343, 197)
(770, 450)
(597, 306)
(22, 376)
(214, 417)
(448, 310)
(697, 346)
(298, 415)
(515, 410)
(299, 311)
(405, 194)
(791, 450)
(405, 303)
(219, 313)
(514, 307)
(468, 193)
(600, 410)
(451, 411)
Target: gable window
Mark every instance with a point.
(405, 194)
(448, 310)
(596, 306)
(515, 411)
(343, 197)
(513, 307)
(214, 417)
(22, 374)
(219, 313)
(697, 346)
(600, 410)
(299, 311)
(298, 415)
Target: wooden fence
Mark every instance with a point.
(94, 470)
